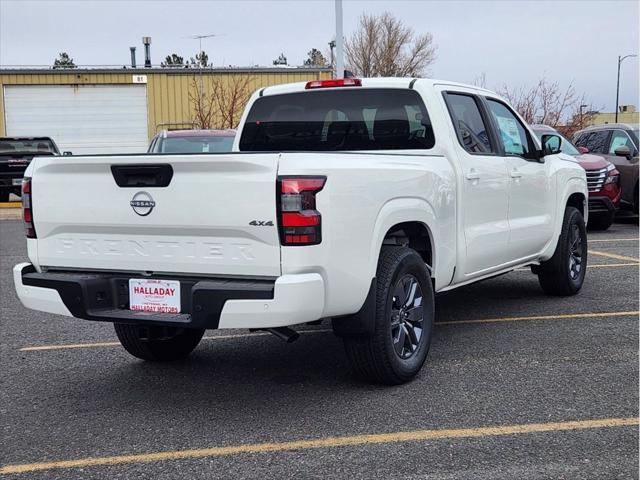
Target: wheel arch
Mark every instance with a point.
(406, 221)
(574, 194)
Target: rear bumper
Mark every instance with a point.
(206, 302)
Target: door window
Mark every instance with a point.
(620, 139)
(468, 122)
(514, 136)
(596, 142)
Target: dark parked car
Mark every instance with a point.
(602, 179)
(192, 141)
(15, 155)
(618, 143)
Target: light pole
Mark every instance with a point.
(620, 59)
(581, 122)
(339, 40)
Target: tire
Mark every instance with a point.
(394, 353)
(563, 274)
(158, 344)
(4, 195)
(601, 221)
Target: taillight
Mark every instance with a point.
(336, 82)
(27, 208)
(299, 222)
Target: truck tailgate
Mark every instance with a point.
(200, 223)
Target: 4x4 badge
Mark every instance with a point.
(261, 223)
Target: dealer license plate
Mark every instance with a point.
(16, 181)
(160, 296)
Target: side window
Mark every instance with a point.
(512, 133)
(597, 141)
(619, 139)
(580, 140)
(468, 122)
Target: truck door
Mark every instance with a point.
(531, 191)
(485, 182)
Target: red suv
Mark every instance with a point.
(603, 180)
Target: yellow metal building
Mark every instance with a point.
(68, 104)
(627, 114)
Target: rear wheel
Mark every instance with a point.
(158, 343)
(397, 348)
(563, 274)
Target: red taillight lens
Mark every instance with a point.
(337, 82)
(27, 208)
(298, 220)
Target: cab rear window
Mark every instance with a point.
(335, 120)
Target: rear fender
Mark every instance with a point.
(401, 210)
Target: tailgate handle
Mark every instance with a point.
(134, 176)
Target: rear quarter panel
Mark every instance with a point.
(366, 194)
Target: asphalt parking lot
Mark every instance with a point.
(517, 385)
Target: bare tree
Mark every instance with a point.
(549, 104)
(203, 104)
(480, 80)
(220, 102)
(231, 98)
(383, 46)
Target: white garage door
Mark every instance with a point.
(83, 119)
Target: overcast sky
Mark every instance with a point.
(512, 42)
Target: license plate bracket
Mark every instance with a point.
(154, 295)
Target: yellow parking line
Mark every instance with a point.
(10, 204)
(327, 442)
(613, 265)
(326, 330)
(543, 317)
(68, 346)
(613, 255)
(597, 265)
(604, 240)
(117, 344)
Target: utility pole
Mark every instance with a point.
(199, 38)
(620, 59)
(339, 41)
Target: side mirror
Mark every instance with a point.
(623, 151)
(551, 144)
(583, 150)
(67, 154)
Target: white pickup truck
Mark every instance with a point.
(347, 199)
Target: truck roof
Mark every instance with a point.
(379, 82)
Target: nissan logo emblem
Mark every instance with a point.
(142, 203)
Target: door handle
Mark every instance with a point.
(472, 175)
(515, 173)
